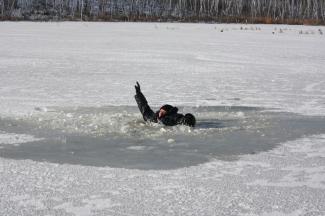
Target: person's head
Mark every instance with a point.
(189, 120)
(166, 109)
(161, 113)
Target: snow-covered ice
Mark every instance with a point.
(66, 83)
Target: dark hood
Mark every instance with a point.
(169, 109)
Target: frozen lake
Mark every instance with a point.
(72, 141)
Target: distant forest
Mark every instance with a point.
(250, 11)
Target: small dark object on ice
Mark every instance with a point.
(166, 115)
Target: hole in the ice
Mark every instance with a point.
(206, 124)
(118, 137)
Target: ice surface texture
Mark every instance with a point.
(97, 64)
(189, 65)
(118, 136)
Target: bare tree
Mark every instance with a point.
(217, 10)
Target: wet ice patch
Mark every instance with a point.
(118, 136)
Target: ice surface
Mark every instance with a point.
(45, 68)
(15, 139)
(96, 64)
(118, 137)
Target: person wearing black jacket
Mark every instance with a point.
(166, 115)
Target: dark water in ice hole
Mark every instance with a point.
(118, 137)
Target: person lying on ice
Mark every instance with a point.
(166, 115)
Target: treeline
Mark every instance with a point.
(252, 11)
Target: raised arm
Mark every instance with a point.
(146, 111)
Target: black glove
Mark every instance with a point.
(137, 88)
